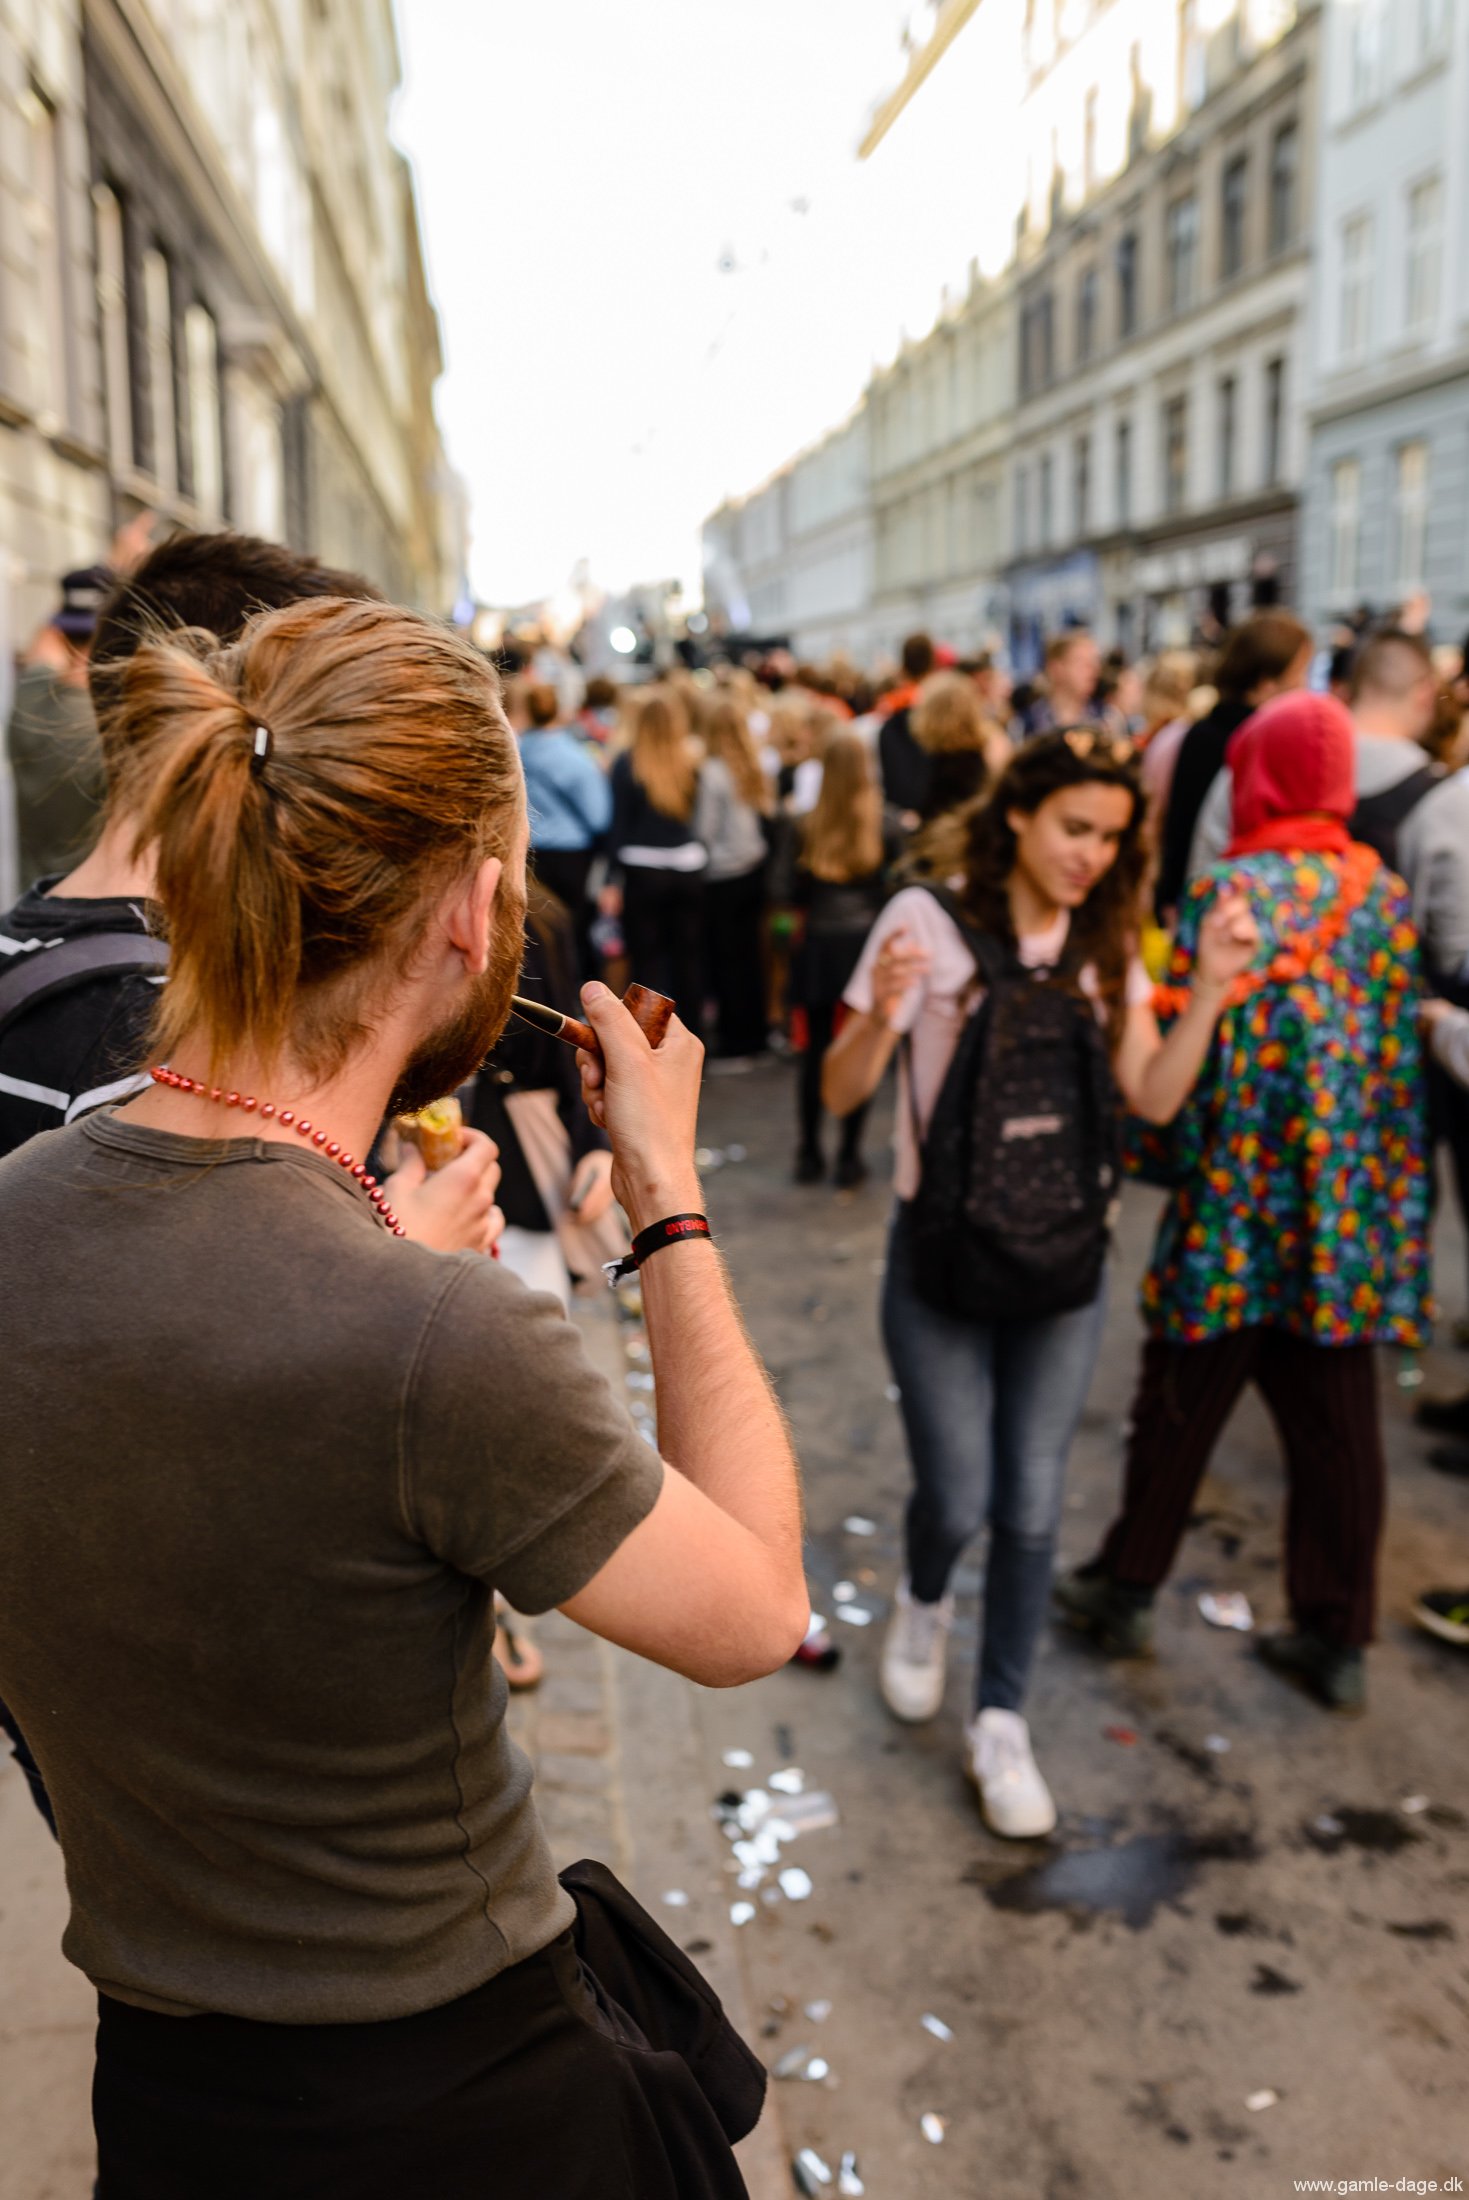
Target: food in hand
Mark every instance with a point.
(437, 1131)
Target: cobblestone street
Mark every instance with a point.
(1212, 1927)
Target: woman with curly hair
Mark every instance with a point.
(1296, 1237)
(1049, 873)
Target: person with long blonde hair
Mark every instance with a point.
(736, 804)
(840, 885)
(659, 859)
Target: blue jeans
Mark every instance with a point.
(989, 1410)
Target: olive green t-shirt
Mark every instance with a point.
(262, 1466)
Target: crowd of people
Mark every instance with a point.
(288, 851)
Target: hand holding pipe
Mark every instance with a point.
(651, 1012)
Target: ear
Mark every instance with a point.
(1017, 820)
(467, 916)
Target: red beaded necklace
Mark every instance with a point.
(289, 1120)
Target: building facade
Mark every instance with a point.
(1388, 399)
(1162, 278)
(941, 418)
(794, 558)
(213, 302)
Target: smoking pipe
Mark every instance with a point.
(651, 1012)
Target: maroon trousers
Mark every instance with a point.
(1323, 1400)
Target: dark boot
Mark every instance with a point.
(1119, 1621)
(1445, 1416)
(1334, 1675)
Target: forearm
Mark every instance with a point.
(719, 1423)
(1166, 1079)
(855, 1062)
(1450, 1043)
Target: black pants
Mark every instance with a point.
(1323, 1400)
(564, 873)
(820, 1025)
(734, 917)
(663, 927)
(518, 2091)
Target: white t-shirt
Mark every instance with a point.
(932, 1012)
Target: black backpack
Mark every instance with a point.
(1022, 1159)
(1378, 818)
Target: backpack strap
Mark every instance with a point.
(39, 974)
(990, 957)
(1384, 812)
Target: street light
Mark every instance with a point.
(623, 640)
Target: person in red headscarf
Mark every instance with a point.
(1295, 1240)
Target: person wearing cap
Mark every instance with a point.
(1295, 1240)
(51, 737)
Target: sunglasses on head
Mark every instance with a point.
(1086, 742)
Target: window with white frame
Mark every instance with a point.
(1356, 288)
(1366, 52)
(1182, 252)
(1346, 530)
(1175, 454)
(1228, 417)
(1431, 25)
(1425, 254)
(1410, 516)
(158, 324)
(51, 364)
(1081, 487)
(1122, 474)
(201, 353)
(112, 311)
(1047, 501)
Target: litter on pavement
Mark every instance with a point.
(937, 2026)
(1229, 1608)
(856, 1525)
(812, 2174)
(1265, 2098)
(738, 1760)
(933, 2128)
(848, 2177)
(740, 1913)
(676, 1899)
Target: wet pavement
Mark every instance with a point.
(1243, 1959)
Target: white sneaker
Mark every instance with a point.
(1012, 1795)
(912, 1675)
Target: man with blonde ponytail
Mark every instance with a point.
(265, 1462)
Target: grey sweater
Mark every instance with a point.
(1433, 845)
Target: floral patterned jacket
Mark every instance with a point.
(1299, 1161)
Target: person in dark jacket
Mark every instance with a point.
(904, 765)
(840, 885)
(659, 859)
(1268, 654)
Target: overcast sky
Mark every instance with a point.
(659, 265)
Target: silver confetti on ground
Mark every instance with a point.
(855, 1524)
(795, 1884)
(849, 2180)
(740, 1913)
(937, 2026)
(933, 2128)
(812, 2174)
(676, 1899)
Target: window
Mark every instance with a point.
(1182, 248)
(1285, 154)
(1081, 486)
(1037, 343)
(1022, 509)
(1127, 300)
(1346, 528)
(158, 323)
(1047, 512)
(1274, 419)
(1425, 254)
(1228, 427)
(51, 364)
(1175, 454)
(112, 311)
(1086, 317)
(1432, 27)
(1233, 196)
(1410, 515)
(1356, 287)
(1123, 465)
(1367, 52)
(1089, 141)
(201, 354)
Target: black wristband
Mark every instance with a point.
(672, 1230)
